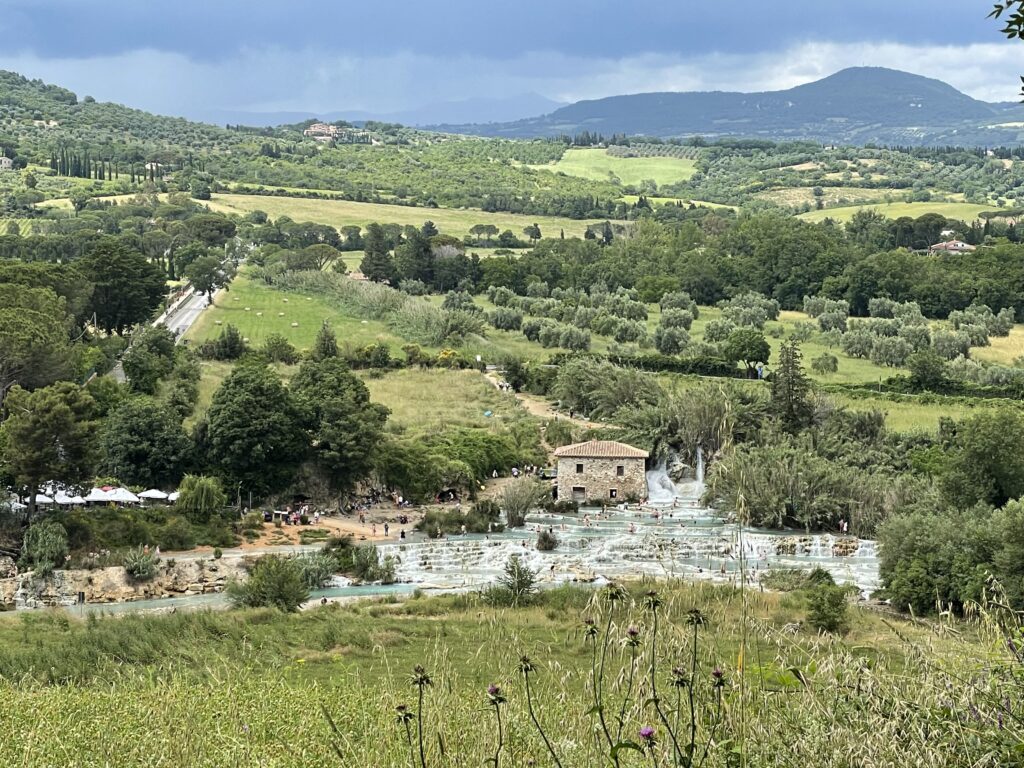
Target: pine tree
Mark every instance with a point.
(791, 390)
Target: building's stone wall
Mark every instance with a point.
(600, 477)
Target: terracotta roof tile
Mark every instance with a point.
(600, 449)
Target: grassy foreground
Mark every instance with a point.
(247, 688)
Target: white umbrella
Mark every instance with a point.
(62, 498)
(98, 494)
(172, 497)
(76, 500)
(122, 496)
(153, 493)
(42, 498)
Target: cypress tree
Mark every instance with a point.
(326, 344)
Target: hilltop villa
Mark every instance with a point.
(601, 471)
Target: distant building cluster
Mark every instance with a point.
(325, 132)
(6, 164)
(951, 246)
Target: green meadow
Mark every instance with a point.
(340, 213)
(598, 165)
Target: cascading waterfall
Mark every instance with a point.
(657, 540)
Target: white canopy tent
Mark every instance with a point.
(173, 497)
(153, 493)
(62, 499)
(98, 494)
(42, 499)
(122, 496)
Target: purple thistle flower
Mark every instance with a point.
(495, 695)
(718, 678)
(647, 734)
(632, 637)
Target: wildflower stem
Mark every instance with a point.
(497, 751)
(419, 729)
(654, 688)
(693, 709)
(408, 740)
(629, 690)
(536, 723)
(599, 686)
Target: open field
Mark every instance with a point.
(655, 200)
(1003, 349)
(964, 211)
(794, 196)
(428, 400)
(597, 164)
(257, 310)
(340, 213)
(249, 688)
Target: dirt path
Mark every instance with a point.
(541, 408)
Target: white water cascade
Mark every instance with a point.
(670, 536)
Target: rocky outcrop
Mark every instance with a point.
(822, 545)
(845, 547)
(113, 585)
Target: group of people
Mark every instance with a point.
(528, 470)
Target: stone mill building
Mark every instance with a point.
(601, 472)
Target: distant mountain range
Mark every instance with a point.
(475, 110)
(859, 105)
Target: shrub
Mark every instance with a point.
(176, 534)
(802, 332)
(516, 586)
(461, 301)
(574, 339)
(718, 330)
(362, 563)
(679, 300)
(505, 319)
(826, 606)
(518, 498)
(677, 318)
(825, 363)
(858, 344)
(951, 345)
(278, 349)
(531, 329)
(891, 351)
(44, 548)
(413, 287)
(558, 433)
(317, 569)
(200, 497)
(140, 565)
(218, 553)
(275, 582)
(229, 345)
(750, 309)
(832, 321)
(671, 341)
(630, 330)
(546, 541)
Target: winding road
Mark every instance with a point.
(178, 320)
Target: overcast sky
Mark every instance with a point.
(187, 57)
